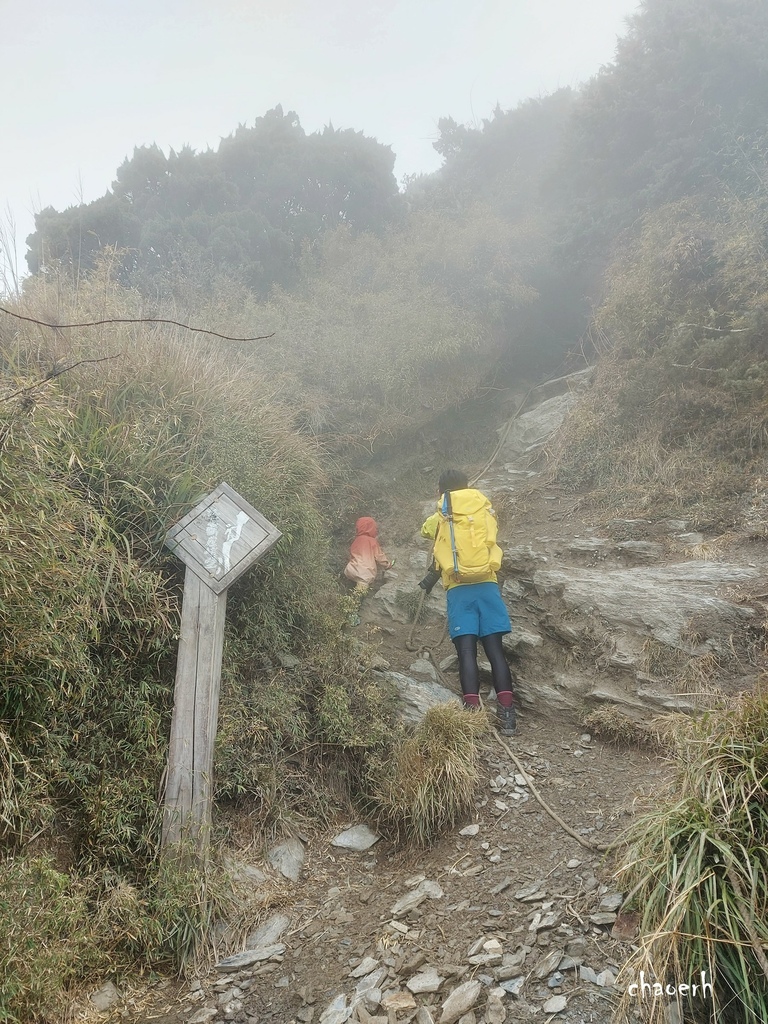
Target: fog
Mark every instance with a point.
(91, 80)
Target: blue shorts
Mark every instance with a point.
(476, 609)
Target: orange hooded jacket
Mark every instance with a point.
(365, 553)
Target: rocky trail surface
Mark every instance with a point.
(510, 917)
(507, 919)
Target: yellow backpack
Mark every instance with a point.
(465, 543)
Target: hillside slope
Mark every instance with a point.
(511, 910)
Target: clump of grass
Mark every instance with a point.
(697, 867)
(613, 725)
(431, 777)
(412, 604)
(698, 672)
(58, 928)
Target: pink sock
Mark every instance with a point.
(473, 699)
(504, 697)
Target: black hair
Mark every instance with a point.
(452, 480)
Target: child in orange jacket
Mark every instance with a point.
(365, 554)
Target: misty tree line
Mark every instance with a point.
(496, 260)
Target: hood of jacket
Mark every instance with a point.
(366, 527)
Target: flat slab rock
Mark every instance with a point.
(426, 889)
(425, 981)
(461, 1000)
(268, 933)
(249, 957)
(661, 599)
(358, 838)
(288, 858)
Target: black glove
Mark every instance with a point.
(430, 580)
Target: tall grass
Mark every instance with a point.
(97, 462)
(697, 868)
(432, 775)
(676, 421)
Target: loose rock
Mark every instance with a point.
(105, 997)
(425, 981)
(555, 1005)
(357, 838)
(250, 956)
(288, 858)
(459, 1001)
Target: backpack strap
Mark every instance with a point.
(448, 513)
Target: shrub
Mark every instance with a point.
(697, 867)
(97, 462)
(676, 420)
(432, 774)
(43, 934)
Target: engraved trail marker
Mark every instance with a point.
(217, 541)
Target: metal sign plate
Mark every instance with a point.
(222, 537)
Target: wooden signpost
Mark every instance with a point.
(217, 541)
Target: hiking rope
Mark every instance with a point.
(411, 646)
(513, 417)
(588, 843)
(409, 639)
(597, 847)
(505, 433)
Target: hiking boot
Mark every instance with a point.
(506, 720)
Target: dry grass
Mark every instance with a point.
(697, 869)
(614, 725)
(696, 675)
(755, 515)
(431, 778)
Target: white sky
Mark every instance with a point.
(84, 81)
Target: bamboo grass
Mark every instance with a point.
(697, 868)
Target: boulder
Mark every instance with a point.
(659, 601)
(416, 697)
(358, 838)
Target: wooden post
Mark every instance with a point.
(188, 791)
(218, 540)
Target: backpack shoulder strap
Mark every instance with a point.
(449, 509)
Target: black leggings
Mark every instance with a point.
(466, 648)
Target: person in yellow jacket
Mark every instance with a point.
(476, 610)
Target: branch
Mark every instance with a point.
(52, 376)
(721, 330)
(130, 320)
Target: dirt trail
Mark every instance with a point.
(524, 908)
(341, 910)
